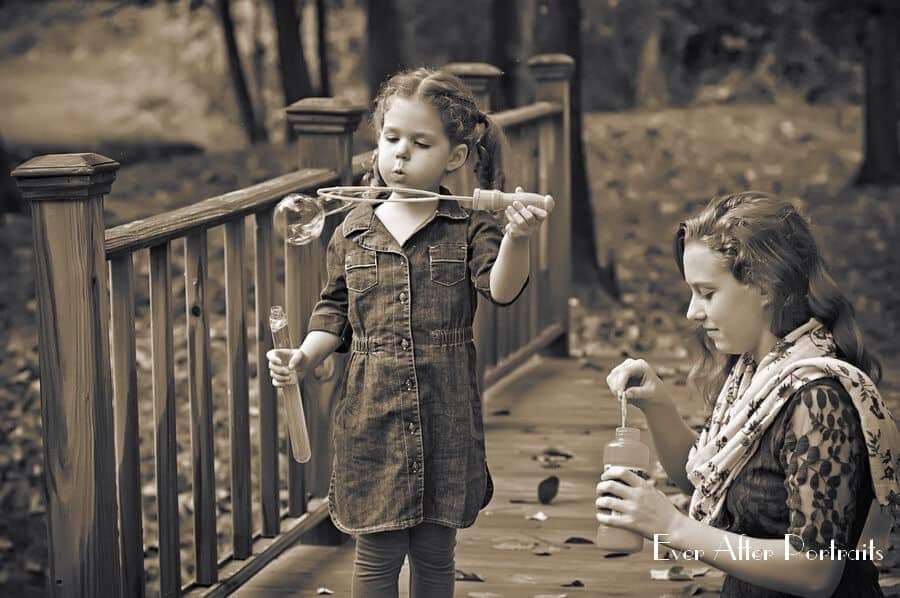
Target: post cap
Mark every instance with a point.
(324, 115)
(477, 75)
(65, 176)
(551, 67)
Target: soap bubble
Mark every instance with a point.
(299, 219)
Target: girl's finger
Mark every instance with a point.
(612, 503)
(623, 475)
(615, 488)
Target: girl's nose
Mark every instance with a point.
(402, 149)
(694, 311)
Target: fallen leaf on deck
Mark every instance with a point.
(575, 583)
(677, 573)
(514, 545)
(523, 501)
(324, 592)
(464, 576)
(548, 462)
(577, 540)
(500, 412)
(615, 555)
(547, 489)
(539, 516)
(546, 551)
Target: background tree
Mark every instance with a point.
(558, 29)
(255, 131)
(322, 44)
(384, 42)
(295, 82)
(881, 153)
(506, 51)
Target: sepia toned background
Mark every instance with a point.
(676, 101)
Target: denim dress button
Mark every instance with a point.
(404, 344)
(404, 297)
(412, 428)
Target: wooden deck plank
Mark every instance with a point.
(551, 403)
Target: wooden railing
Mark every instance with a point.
(90, 317)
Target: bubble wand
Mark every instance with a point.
(481, 199)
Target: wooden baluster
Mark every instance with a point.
(200, 391)
(480, 77)
(163, 374)
(127, 432)
(324, 128)
(235, 315)
(546, 162)
(552, 73)
(66, 195)
(268, 406)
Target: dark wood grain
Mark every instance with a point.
(164, 413)
(127, 433)
(196, 268)
(238, 386)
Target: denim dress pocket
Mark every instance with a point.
(361, 270)
(448, 263)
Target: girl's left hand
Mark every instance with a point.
(523, 221)
(636, 503)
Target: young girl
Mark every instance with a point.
(799, 450)
(409, 458)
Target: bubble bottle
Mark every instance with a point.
(627, 450)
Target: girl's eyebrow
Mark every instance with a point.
(423, 133)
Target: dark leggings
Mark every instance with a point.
(379, 558)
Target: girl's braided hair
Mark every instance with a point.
(463, 121)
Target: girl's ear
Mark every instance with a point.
(457, 158)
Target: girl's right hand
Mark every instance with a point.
(286, 366)
(639, 382)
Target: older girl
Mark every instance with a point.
(799, 450)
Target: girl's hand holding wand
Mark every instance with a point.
(524, 221)
(286, 366)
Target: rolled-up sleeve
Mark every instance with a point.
(484, 237)
(330, 312)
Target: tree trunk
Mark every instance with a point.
(322, 40)
(506, 51)
(558, 29)
(881, 160)
(259, 64)
(10, 197)
(384, 42)
(295, 80)
(255, 133)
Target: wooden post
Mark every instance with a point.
(480, 77)
(324, 129)
(66, 195)
(552, 74)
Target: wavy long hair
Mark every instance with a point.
(766, 242)
(463, 121)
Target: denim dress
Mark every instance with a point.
(408, 430)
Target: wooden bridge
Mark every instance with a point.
(191, 278)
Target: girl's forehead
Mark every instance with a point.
(702, 264)
(414, 114)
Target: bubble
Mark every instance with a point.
(299, 219)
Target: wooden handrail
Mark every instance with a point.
(67, 192)
(147, 232)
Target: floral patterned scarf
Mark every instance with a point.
(751, 399)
